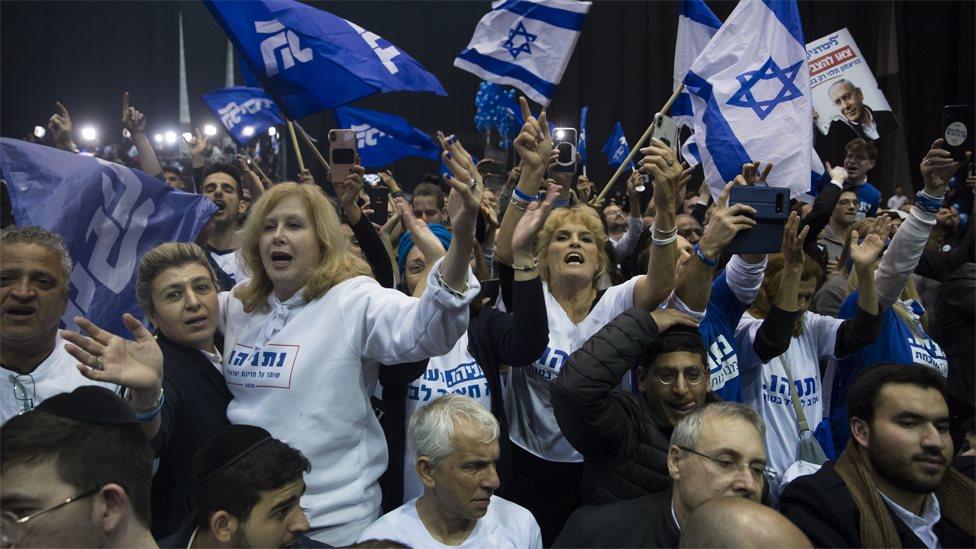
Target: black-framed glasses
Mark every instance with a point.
(12, 526)
(731, 467)
(24, 391)
(693, 376)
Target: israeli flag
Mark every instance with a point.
(109, 216)
(382, 139)
(617, 148)
(696, 26)
(750, 90)
(310, 60)
(526, 44)
(245, 112)
(581, 144)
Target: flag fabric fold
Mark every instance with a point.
(581, 142)
(240, 108)
(617, 148)
(526, 44)
(750, 91)
(310, 60)
(109, 216)
(696, 27)
(382, 139)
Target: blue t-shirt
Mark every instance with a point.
(717, 330)
(897, 344)
(868, 198)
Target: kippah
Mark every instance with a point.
(681, 329)
(225, 448)
(91, 404)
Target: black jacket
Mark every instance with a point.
(195, 407)
(642, 522)
(820, 506)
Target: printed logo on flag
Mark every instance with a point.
(284, 42)
(230, 114)
(527, 38)
(366, 135)
(769, 71)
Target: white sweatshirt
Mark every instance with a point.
(304, 371)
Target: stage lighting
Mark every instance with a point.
(187, 136)
(170, 137)
(272, 131)
(210, 130)
(248, 131)
(158, 138)
(39, 132)
(88, 133)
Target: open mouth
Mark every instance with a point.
(19, 311)
(199, 321)
(281, 259)
(221, 205)
(682, 408)
(574, 258)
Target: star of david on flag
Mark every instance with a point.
(750, 92)
(526, 44)
(769, 71)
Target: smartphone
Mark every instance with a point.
(957, 130)
(772, 205)
(667, 130)
(342, 153)
(371, 179)
(379, 201)
(564, 140)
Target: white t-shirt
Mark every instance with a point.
(304, 371)
(455, 372)
(765, 386)
(896, 201)
(532, 423)
(57, 374)
(505, 526)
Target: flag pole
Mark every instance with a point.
(294, 144)
(315, 151)
(638, 145)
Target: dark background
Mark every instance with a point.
(86, 53)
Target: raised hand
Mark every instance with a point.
(666, 318)
(792, 249)
(753, 175)
(660, 163)
(60, 126)
(132, 119)
(938, 167)
(104, 356)
(387, 178)
(533, 143)
(837, 173)
(466, 183)
(866, 254)
(523, 237)
(726, 222)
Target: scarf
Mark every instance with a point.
(877, 528)
(281, 313)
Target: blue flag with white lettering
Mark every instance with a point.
(244, 112)
(382, 139)
(310, 60)
(617, 148)
(581, 145)
(109, 217)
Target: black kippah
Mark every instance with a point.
(226, 447)
(91, 404)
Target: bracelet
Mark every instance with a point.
(527, 268)
(519, 205)
(705, 260)
(524, 197)
(147, 414)
(663, 241)
(561, 203)
(666, 234)
(927, 202)
(455, 293)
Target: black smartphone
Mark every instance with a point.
(564, 140)
(772, 205)
(379, 201)
(957, 130)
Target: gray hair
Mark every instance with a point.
(688, 430)
(41, 237)
(431, 430)
(850, 85)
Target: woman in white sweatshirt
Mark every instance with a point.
(305, 335)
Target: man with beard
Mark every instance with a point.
(892, 486)
(222, 185)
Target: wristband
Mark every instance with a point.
(147, 414)
(701, 255)
(519, 205)
(927, 202)
(663, 241)
(527, 268)
(524, 197)
(561, 203)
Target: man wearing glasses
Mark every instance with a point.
(624, 436)
(716, 450)
(33, 296)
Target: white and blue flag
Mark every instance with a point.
(245, 112)
(581, 143)
(382, 139)
(696, 27)
(526, 44)
(750, 88)
(616, 147)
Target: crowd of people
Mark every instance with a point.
(509, 363)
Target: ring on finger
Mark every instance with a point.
(473, 183)
(98, 363)
(669, 162)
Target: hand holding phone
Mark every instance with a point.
(564, 141)
(957, 130)
(342, 153)
(772, 207)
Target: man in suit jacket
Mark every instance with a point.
(892, 486)
(716, 450)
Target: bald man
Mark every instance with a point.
(739, 522)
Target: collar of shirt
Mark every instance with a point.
(869, 128)
(921, 525)
(189, 544)
(674, 516)
(214, 359)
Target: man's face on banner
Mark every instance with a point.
(848, 100)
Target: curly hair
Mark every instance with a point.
(584, 215)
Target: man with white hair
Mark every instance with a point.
(455, 444)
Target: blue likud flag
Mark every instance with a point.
(696, 27)
(526, 44)
(109, 216)
(311, 60)
(581, 144)
(751, 93)
(617, 148)
(244, 112)
(382, 139)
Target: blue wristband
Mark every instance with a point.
(928, 203)
(705, 260)
(148, 416)
(561, 203)
(524, 197)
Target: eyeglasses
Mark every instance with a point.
(12, 526)
(730, 467)
(24, 391)
(693, 376)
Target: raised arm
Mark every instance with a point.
(135, 122)
(659, 162)
(60, 126)
(776, 331)
(369, 240)
(823, 207)
(463, 205)
(865, 327)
